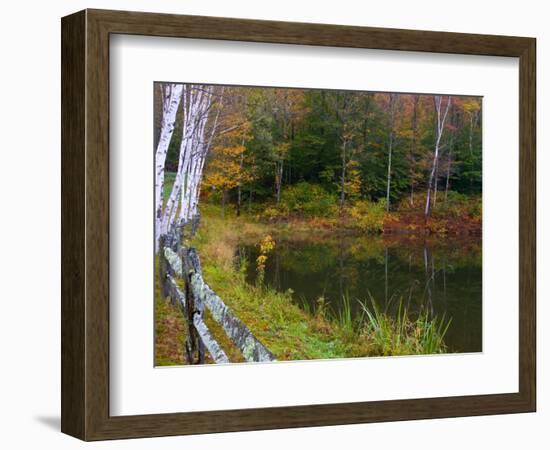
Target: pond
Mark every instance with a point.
(443, 275)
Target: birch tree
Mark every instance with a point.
(441, 111)
(182, 204)
(171, 97)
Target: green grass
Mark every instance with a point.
(288, 330)
(400, 334)
(170, 332)
(169, 178)
(292, 332)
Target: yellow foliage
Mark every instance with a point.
(267, 244)
(352, 185)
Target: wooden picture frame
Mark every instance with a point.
(85, 224)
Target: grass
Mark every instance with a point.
(292, 332)
(289, 331)
(170, 332)
(400, 334)
(169, 178)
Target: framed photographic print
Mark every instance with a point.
(270, 224)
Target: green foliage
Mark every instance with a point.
(345, 319)
(400, 334)
(308, 200)
(293, 331)
(369, 216)
(458, 205)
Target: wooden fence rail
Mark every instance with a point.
(185, 264)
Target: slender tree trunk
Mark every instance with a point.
(440, 117)
(188, 143)
(193, 149)
(278, 179)
(436, 182)
(239, 200)
(172, 94)
(389, 172)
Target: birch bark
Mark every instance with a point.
(182, 204)
(440, 117)
(192, 100)
(172, 94)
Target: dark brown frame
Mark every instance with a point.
(85, 224)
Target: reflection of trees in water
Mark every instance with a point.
(277, 274)
(443, 278)
(427, 285)
(343, 264)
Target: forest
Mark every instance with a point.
(256, 177)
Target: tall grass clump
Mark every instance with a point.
(401, 334)
(344, 317)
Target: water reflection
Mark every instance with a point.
(441, 275)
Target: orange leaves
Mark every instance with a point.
(225, 170)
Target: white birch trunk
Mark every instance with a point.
(172, 94)
(439, 132)
(182, 205)
(190, 103)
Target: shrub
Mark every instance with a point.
(271, 212)
(475, 207)
(458, 205)
(369, 216)
(309, 200)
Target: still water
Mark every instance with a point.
(443, 275)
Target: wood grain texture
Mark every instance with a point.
(73, 107)
(527, 224)
(85, 224)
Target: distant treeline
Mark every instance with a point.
(355, 145)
